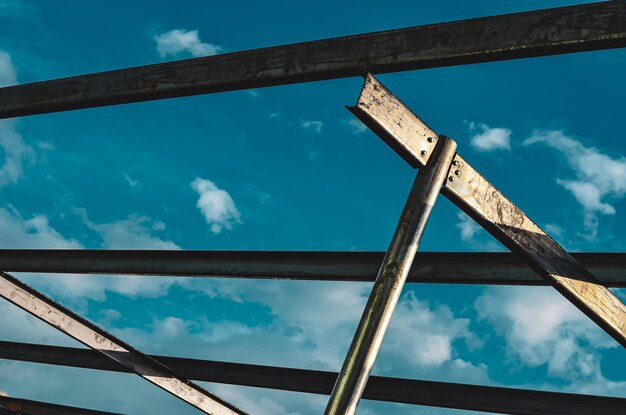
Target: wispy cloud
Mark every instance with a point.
(133, 184)
(16, 151)
(599, 178)
(542, 328)
(313, 125)
(486, 138)
(178, 41)
(135, 232)
(474, 235)
(217, 206)
(355, 126)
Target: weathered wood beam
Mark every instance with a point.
(496, 268)
(108, 345)
(511, 36)
(409, 391)
(30, 407)
(477, 197)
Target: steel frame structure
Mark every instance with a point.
(521, 35)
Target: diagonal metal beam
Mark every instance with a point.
(30, 407)
(98, 339)
(471, 192)
(391, 277)
(511, 36)
(499, 268)
(409, 391)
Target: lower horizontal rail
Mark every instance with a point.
(501, 268)
(28, 407)
(418, 392)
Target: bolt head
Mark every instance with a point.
(423, 152)
(457, 172)
(430, 139)
(456, 162)
(451, 178)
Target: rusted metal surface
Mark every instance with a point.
(91, 335)
(387, 288)
(30, 407)
(418, 392)
(497, 268)
(521, 35)
(473, 194)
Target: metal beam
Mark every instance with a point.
(511, 36)
(477, 197)
(496, 268)
(388, 286)
(93, 336)
(409, 391)
(29, 407)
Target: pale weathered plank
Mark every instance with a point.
(471, 192)
(115, 349)
(477, 197)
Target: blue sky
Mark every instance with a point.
(288, 168)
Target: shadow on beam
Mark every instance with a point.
(418, 392)
(501, 268)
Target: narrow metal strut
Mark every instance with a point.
(98, 339)
(389, 118)
(391, 277)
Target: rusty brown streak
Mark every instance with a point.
(561, 30)
(477, 197)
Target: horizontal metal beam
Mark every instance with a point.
(500, 268)
(511, 36)
(418, 392)
(29, 407)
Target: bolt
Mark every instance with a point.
(451, 178)
(423, 152)
(456, 162)
(457, 172)
(430, 139)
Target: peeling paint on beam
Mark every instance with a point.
(409, 391)
(555, 31)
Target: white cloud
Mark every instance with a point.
(314, 324)
(34, 233)
(216, 205)
(468, 227)
(313, 125)
(177, 41)
(15, 149)
(600, 178)
(8, 74)
(136, 232)
(133, 184)
(489, 139)
(355, 126)
(474, 235)
(542, 328)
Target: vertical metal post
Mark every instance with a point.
(390, 280)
